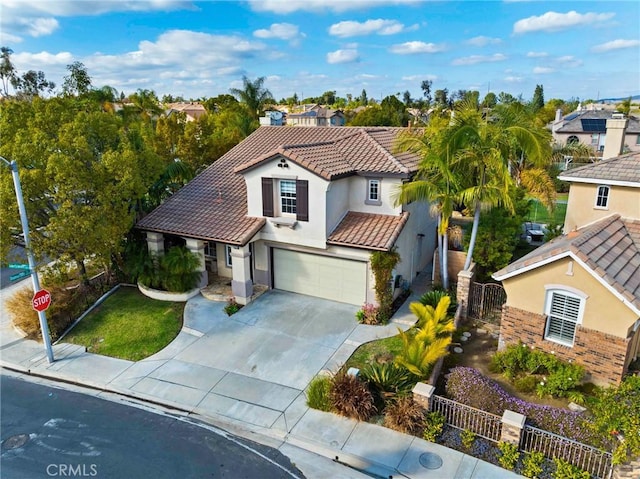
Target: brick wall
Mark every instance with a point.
(602, 355)
(455, 263)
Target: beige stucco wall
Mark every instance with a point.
(603, 311)
(582, 210)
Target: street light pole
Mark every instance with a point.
(44, 328)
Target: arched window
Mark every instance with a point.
(573, 140)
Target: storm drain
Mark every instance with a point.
(430, 460)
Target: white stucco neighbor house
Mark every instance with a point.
(300, 209)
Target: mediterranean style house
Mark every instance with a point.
(300, 209)
(578, 296)
(316, 116)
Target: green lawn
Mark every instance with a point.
(539, 214)
(128, 325)
(370, 352)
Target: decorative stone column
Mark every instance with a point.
(465, 278)
(422, 394)
(512, 426)
(196, 246)
(241, 284)
(155, 243)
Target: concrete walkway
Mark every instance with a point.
(247, 374)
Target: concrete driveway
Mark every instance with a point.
(282, 337)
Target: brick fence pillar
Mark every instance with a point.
(628, 470)
(422, 394)
(465, 278)
(512, 426)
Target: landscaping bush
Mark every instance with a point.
(526, 384)
(556, 378)
(433, 297)
(382, 264)
(566, 470)
(405, 415)
(433, 426)
(351, 397)
(318, 393)
(232, 306)
(468, 438)
(532, 464)
(470, 387)
(368, 314)
(388, 380)
(509, 455)
(175, 271)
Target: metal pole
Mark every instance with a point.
(44, 327)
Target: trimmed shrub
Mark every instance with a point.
(433, 425)
(404, 415)
(468, 438)
(318, 393)
(509, 455)
(351, 397)
(532, 464)
(566, 470)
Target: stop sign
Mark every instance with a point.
(41, 300)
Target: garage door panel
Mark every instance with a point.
(321, 276)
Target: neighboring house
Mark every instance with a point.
(316, 116)
(273, 118)
(301, 209)
(192, 110)
(578, 296)
(589, 128)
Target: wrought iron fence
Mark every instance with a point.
(485, 302)
(588, 458)
(461, 416)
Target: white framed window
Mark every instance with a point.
(288, 203)
(595, 138)
(564, 311)
(602, 197)
(227, 255)
(374, 193)
(210, 249)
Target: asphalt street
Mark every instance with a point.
(50, 432)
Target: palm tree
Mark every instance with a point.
(430, 342)
(435, 182)
(254, 95)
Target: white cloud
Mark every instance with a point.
(282, 31)
(290, 6)
(419, 77)
(343, 56)
(537, 54)
(553, 21)
(569, 61)
(615, 45)
(543, 70)
(514, 79)
(351, 28)
(483, 41)
(36, 61)
(475, 59)
(411, 48)
(39, 27)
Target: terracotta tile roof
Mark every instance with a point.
(620, 168)
(368, 231)
(610, 248)
(213, 206)
(350, 151)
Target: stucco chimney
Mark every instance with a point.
(614, 140)
(558, 115)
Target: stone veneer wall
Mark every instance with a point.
(602, 355)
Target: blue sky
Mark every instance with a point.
(585, 49)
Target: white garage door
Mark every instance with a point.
(322, 276)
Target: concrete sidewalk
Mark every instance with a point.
(259, 393)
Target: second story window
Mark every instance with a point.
(602, 197)
(288, 196)
(374, 194)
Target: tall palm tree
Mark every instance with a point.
(435, 182)
(254, 95)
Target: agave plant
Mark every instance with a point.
(388, 379)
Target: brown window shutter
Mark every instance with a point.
(267, 197)
(302, 200)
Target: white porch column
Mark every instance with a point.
(241, 285)
(196, 246)
(155, 243)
